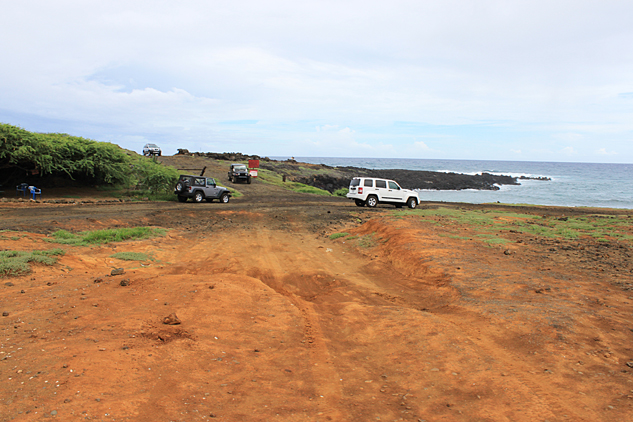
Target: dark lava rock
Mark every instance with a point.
(125, 282)
(410, 179)
(117, 271)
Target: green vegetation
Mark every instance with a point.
(491, 224)
(276, 179)
(338, 235)
(17, 262)
(131, 256)
(366, 241)
(341, 192)
(84, 160)
(105, 236)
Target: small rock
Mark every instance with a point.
(117, 271)
(98, 280)
(629, 364)
(507, 252)
(5, 313)
(125, 282)
(54, 412)
(172, 319)
(9, 284)
(22, 291)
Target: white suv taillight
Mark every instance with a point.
(360, 189)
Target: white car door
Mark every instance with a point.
(394, 192)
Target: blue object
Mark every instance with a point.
(22, 187)
(35, 191)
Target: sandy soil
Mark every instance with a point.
(281, 323)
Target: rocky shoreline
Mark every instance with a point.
(333, 178)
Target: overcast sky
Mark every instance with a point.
(539, 80)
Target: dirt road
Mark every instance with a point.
(395, 321)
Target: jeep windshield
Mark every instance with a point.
(239, 168)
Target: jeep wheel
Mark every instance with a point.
(412, 203)
(180, 187)
(359, 202)
(198, 197)
(372, 201)
(225, 198)
(182, 198)
(248, 180)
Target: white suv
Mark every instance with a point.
(371, 191)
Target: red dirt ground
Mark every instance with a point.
(281, 323)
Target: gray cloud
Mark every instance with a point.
(490, 74)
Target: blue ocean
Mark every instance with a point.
(571, 184)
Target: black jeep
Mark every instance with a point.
(200, 188)
(239, 172)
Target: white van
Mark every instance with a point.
(371, 191)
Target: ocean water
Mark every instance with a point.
(572, 184)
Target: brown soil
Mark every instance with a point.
(280, 322)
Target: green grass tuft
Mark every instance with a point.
(17, 262)
(105, 236)
(341, 192)
(338, 235)
(131, 256)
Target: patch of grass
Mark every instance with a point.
(597, 226)
(276, 179)
(309, 189)
(338, 235)
(105, 236)
(366, 241)
(131, 256)
(17, 262)
(341, 192)
(492, 239)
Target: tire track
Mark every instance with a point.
(325, 375)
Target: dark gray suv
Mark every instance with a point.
(200, 188)
(239, 172)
